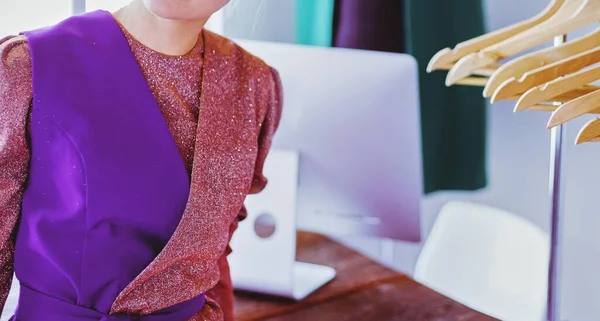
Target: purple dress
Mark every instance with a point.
(111, 227)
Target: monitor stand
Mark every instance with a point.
(310, 277)
(264, 246)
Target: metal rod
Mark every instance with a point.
(556, 208)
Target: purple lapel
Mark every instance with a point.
(106, 178)
(118, 184)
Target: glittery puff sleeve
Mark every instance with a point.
(222, 293)
(269, 126)
(15, 99)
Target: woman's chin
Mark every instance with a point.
(184, 9)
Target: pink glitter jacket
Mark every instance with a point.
(175, 83)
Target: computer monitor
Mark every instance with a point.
(353, 116)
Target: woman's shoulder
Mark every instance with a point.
(228, 47)
(15, 58)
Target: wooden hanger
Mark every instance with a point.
(572, 15)
(473, 81)
(483, 73)
(586, 104)
(563, 98)
(516, 68)
(446, 57)
(590, 132)
(549, 90)
(545, 74)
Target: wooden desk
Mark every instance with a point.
(362, 290)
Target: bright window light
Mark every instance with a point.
(24, 15)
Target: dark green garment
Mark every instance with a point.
(314, 22)
(453, 118)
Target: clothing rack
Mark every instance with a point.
(556, 214)
(559, 73)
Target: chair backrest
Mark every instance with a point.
(488, 259)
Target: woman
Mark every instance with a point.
(128, 142)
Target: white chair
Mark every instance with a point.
(488, 259)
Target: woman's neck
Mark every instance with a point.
(169, 37)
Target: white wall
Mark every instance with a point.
(31, 14)
(518, 166)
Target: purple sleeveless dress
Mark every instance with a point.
(107, 186)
